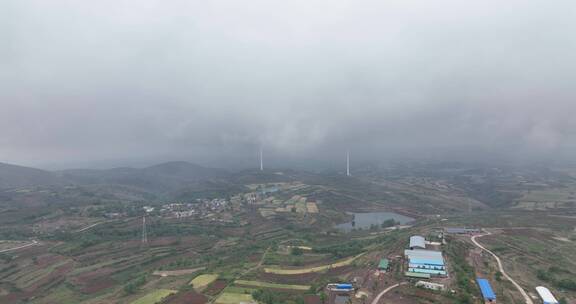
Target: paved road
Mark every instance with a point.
(380, 295)
(20, 247)
(527, 298)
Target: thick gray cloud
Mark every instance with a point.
(204, 80)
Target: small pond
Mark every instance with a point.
(365, 220)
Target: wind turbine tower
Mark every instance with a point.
(144, 232)
(261, 159)
(347, 162)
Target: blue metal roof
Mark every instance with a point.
(486, 289)
(423, 254)
(427, 262)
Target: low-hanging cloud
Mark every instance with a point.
(207, 80)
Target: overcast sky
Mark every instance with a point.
(102, 81)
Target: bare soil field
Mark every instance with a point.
(215, 287)
(186, 297)
(312, 299)
(97, 285)
(412, 295)
(48, 259)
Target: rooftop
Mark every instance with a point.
(486, 289)
(383, 264)
(546, 295)
(424, 254)
(417, 242)
(417, 275)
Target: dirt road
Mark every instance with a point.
(168, 273)
(88, 227)
(380, 295)
(20, 247)
(527, 298)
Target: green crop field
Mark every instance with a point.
(239, 289)
(154, 297)
(203, 280)
(233, 298)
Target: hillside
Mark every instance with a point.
(13, 176)
(161, 178)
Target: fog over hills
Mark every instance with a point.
(287, 151)
(149, 81)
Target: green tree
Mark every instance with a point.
(264, 296)
(498, 276)
(133, 286)
(567, 284)
(297, 251)
(388, 223)
(323, 297)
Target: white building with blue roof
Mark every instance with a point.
(421, 260)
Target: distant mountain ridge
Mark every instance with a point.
(13, 176)
(163, 177)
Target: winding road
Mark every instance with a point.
(380, 295)
(527, 298)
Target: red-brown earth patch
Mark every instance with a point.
(48, 259)
(216, 287)
(96, 285)
(186, 297)
(312, 299)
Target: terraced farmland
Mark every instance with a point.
(233, 298)
(270, 285)
(154, 297)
